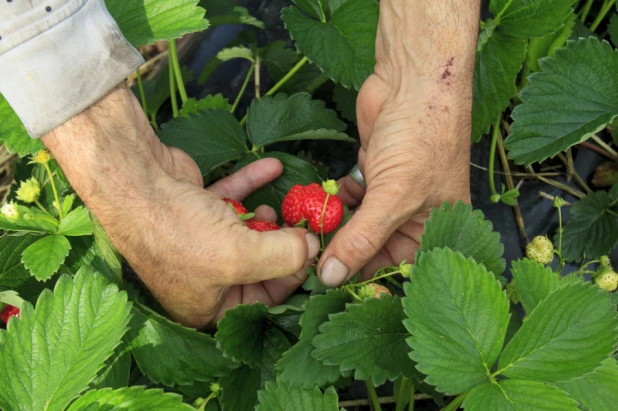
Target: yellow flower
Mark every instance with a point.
(29, 191)
(10, 212)
(42, 157)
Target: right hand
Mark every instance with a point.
(184, 242)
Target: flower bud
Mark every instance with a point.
(558, 202)
(10, 212)
(29, 191)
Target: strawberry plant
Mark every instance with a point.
(454, 328)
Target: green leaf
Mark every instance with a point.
(67, 203)
(368, 338)
(344, 46)
(217, 7)
(282, 397)
(295, 171)
(157, 90)
(239, 52)
(596, 391)
(465, 230)
(282, 118)
(612, 29)
(346, 102)
(13, 133)
(169, 353)
(498, 60)
(211, 138)
(144, 22)
(76, 223)
(130, 399)
(514, 395)
(592, 230)
(534, 282)
(44, 257)
(52, 352)
(573, 97)
(115, 373)
(567, 335)
(30, 220)
(106, 250)
(239, 15)
(240, 333)
(297, 367)
(12, 271)
(530, 18)
(540, 47)
(279, 60)
(458, 317)
(213, 102)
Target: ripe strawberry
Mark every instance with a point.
(373, 290)
(314, 210)
(236, 205)
(608, 280)
(262, 225)
(292, 206)
(540, 250)
(7, 312)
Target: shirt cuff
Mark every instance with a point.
(65, 68)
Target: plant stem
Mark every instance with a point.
(605, 146)
(573, 191)
(317, 82)
(453, 405)
(173, 90)
(411, 400)
(288, 76)
(53, 185)
(492, 156)
(42, 208)
(153, 121)
(373, 396)
(352, 293)
(399, 401)
(177, 71)
(257, 77)
(210, 397)
(584, 11)
(374, 279)
(574, 173)
(142, 94)
(322, 220)
(560, 259)
(519, 218)
(604, 10)
(242, 89)
(599, 150)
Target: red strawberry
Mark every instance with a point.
(7, 312)
(292, 205)
(262, 225)
(236, 205)
(314, 208)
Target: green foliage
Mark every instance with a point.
(13, 134)
(597, 390)
(115, 372)
(534, 282)
(573, 97)
(530, 18)
(31, 220)
(546, 45)
(593, 228)
(279, 60)
(458, 317)
(461, 229)
(567, 335)
(169, 353)
(514, 395)
(281, 397)
(76, 223)
(341, 42)
(368, 338)
(130, 399)
(12, 272)
(346, 102)
(215, 102)
(53, 351)
(283, 118)
(44, 257)
(144, 22)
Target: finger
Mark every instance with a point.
(360, 240)
(350, 192)
(265, 213)
(248, 179)
(274, 254)
(398, 247)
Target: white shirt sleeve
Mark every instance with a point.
(58, 57)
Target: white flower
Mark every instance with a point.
(10, 212)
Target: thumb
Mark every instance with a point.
(356, 243)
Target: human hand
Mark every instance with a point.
(187, 246)
(414, 120)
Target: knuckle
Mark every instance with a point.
(359, 246)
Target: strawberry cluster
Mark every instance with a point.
(316, 205)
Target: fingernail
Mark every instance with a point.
(334, 272)
(313, 243)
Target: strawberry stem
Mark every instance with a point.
(322, 220)
(373, 396)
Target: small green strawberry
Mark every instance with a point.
(607, 281)
(373, 290)
(541, 250)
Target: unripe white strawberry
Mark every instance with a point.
(373, 290)
(608, 281)
(540, 249)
